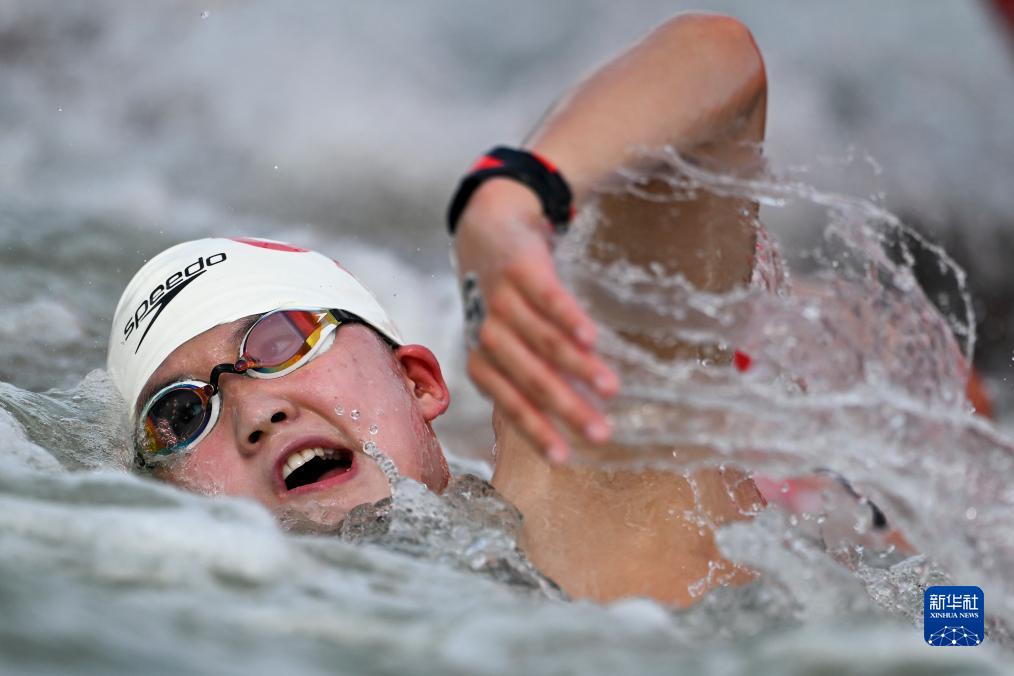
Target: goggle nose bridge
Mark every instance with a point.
(242, 365)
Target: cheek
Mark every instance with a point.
(370, 399)
(213, 468)
(359, 392)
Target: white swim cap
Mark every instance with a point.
(195, 286)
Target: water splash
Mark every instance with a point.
(82, 427)
(468, 526)
(832, 357)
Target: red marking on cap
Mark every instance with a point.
(486, 162)
(264, 244)
(741, 360)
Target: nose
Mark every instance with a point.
(258, 411)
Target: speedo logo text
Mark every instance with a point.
(164, 293)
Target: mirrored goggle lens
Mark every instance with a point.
(282, 339)
(176, 418)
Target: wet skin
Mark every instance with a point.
(261, 422)
(696, 84)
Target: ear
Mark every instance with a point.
(423, 377)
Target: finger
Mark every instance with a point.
(549, 342)
(540, 286)
(518, 410)
(539, 383)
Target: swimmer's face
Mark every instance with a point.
(357, 391)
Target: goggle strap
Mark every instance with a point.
(345, 317)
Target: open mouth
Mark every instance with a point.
(313, 465)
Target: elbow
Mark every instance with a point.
(727, 44)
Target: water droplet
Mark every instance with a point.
(374, 429)
(971, 513)
(785, 487)
(275, 167)
(369, 447)
(339, 410)
(205, 14)
(354, 414)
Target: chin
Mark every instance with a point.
(325, 510)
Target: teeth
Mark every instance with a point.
(300, 458)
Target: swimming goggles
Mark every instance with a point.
(179, 415)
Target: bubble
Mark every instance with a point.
(339, 410)
(374, 429)
(971, 513)
(165, 433)
(354, 414)
(205, 14)
(385, 464)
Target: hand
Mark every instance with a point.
(534, 336)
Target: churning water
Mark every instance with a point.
(852, 368)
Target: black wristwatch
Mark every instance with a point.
(534, 171)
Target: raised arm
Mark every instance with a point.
(695, 83)
(691, 83)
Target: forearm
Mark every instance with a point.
(696, 83)
(695, 80)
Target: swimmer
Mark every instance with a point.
(248, 364)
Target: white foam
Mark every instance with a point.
(18, 454)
